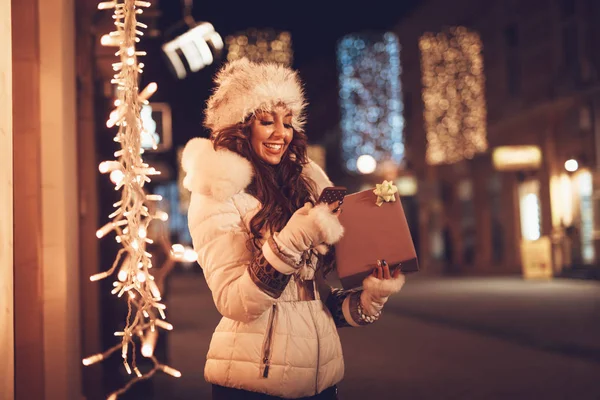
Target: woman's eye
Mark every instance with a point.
(288, 126)
(265, 123)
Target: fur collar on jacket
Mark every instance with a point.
(222, 174)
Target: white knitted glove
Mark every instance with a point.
(310, 227)
(377, 291)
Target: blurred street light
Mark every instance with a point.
(571, 165)
(517, 158)
(192, 45)
(183, 254)
(366, 164)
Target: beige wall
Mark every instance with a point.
(6, 208)
(28, 296)
(60, 209)
(47, 335)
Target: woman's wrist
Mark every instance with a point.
(292, 257)
(268, 279)
(371, 306)
(369, 312)
(355, 313)
(281, 258)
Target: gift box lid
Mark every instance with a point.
(372, 233)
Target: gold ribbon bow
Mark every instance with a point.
(385, 192)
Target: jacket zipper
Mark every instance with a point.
(318, 352)
(318, 360)
(268, 342)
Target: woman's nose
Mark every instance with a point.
(279, 129)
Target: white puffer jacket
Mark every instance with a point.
(282, 347)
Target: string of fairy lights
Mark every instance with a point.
(455, 115)
(453, 95)
(136, 210)
(370, 101)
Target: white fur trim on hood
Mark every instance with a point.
(219, 174)
(244, 87)
(223, 173)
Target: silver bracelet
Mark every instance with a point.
(368, 318)
(357, 312)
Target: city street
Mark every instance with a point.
(453, 338)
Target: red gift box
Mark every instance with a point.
(372, 233)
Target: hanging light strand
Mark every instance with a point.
(453, 95)
(131, 218)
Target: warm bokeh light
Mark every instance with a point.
(366, 164)
(108, 40)
(183, 253)
(516, 158)
(257, 45)
(116, 176)
(407, 185)
(453, 95)
(149, 343)
(571, 165)
(529, 203)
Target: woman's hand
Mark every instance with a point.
(379, 286)
(382, 271)
(311, 226)
(336, 209)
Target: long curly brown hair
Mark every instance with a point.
(282, 188)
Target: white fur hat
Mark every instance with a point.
(244, 87)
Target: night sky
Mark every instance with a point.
(315, 27)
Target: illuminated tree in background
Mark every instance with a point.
(453, 95)
(370, 101)
(260, 46)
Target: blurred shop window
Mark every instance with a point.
(467, 222)
(445, 233)
(586, 209)
(156, 122)
(495, 196)
(530, 210)
(177, 222)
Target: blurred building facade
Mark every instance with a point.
(542, 90)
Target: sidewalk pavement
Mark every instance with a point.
(560, 315)
(439, 338)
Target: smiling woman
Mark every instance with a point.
(271, 133)
(262, 243)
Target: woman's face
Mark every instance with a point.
(271, 134)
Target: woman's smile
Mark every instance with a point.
(274, 148)
(271, 134)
